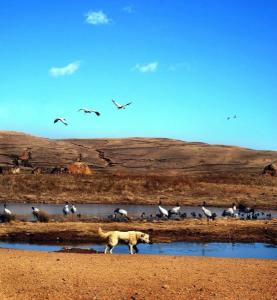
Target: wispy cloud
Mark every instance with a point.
(129, 9)
(97, 18)
(67, 70)
(180, 65)
(146, 68)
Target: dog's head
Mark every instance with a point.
(144, 238)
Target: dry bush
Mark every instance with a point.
(42, 216)
(6, 218)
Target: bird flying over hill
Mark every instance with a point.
(63, 120)
(120, 106)
(89, 111)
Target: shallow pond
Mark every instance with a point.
(104, 210)
(232, 250)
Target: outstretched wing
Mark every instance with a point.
(96, 112)
(116, 104)
(127, 104)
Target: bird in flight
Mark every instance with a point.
(63, 120)
(89, 111)
(234, 117)
(120, 106)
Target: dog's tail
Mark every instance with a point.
(102, 234)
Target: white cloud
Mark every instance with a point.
(97, 18)
(146, 68)
(128, 9)
(181, 65)
(67, 70)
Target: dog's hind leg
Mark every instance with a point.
(131, 249)
(136, 249)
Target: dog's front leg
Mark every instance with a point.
(107, 249)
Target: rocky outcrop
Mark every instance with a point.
(79, 168)
(270, 169)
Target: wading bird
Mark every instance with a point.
(120, 106)
(230, 212)
(208, 213)
(63, 120)
(121, 212)
(163, 211)
(89, 111)
(175, 210)
(66, 209)
(6, 210)
(73, 209)
(35, 212)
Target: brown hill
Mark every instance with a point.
(135, 154)
(137, 170)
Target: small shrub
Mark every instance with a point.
(6, 218)
(42, 216)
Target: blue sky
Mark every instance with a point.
(186, 65)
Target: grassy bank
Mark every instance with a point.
(216, 189)
(163, 231)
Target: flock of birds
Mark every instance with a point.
(89, 111)
(120, 214)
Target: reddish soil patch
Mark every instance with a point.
(34, 275)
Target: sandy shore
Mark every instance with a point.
(35, 275)
(222, 230)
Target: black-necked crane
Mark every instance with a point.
(207, 212)
(163, 211)
(6, 210)
(66, 209)
(62, 120)
(246, 210)
(175, 210)
(121, 212)
(73, 209)
(35, 212)
(89, 111)
(120, 106)
(230, 212)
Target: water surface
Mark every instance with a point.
(232, 250)
(104, 210)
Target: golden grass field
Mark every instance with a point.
(216, 190)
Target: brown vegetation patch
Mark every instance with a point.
(162, 231)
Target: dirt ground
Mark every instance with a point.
(35, 275)
(223, 230)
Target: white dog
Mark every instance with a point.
(132, 238)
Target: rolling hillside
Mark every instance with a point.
(138, 170)
(134, 154)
